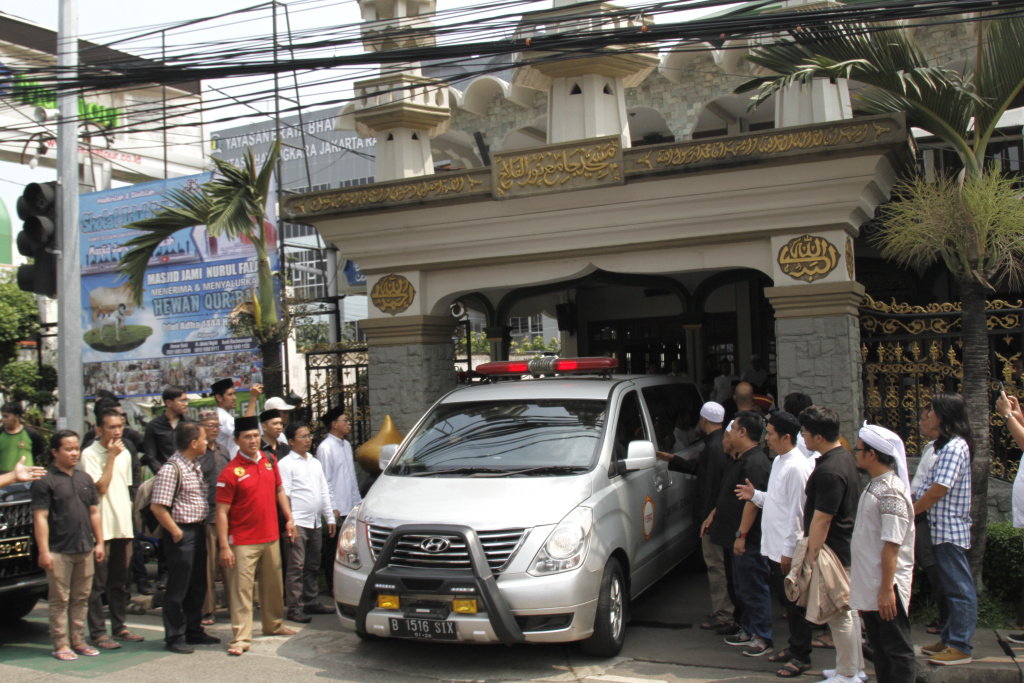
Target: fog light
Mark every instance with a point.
(387, 601)
(464, 606)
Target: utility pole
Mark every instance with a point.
(69, 300)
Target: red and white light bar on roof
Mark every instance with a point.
(547, 365)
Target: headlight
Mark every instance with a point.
(566, 547)
(348, 537)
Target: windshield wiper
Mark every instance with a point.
(550, 469)
(463, 470)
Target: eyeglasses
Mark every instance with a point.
(857, 450)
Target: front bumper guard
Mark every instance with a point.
(440, 582)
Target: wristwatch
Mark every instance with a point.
(740, 534)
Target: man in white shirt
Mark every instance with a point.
(108, 462)
(794, 404)
(722, 390)
(303, 480)
(224, 393)
(781, 528)
(335, 454)
(883, 556)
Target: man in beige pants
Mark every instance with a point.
(249, 492)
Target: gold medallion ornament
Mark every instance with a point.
(393, 294)
(808, 258)
(239, 471)
(849, 256)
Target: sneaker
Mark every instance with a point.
(317, 608)
(861, 675)
(935, 649)
(950, 657)
(299, 616)
(836, 678)
(740, 638)
(1015, 638)
(759, 647)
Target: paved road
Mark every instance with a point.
(663, 644)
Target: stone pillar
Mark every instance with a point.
(817, 337)
(411, 365)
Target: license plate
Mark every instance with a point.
(16, 547)
(423, 629)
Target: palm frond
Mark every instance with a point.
(1000, 74)
(185, 210)
(898, 74)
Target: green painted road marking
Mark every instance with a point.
(30, 648)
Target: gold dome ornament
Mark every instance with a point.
(368, 455)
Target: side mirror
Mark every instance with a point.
(640, 456)
(387, 454)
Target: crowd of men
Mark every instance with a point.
(241, 499)
(835, 554)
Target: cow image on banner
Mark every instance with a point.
(179, 334)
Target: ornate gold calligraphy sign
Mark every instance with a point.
(849, 256)
(808, 258)
(403, 192)
(572, 166)
(392, 294)
(764, 144)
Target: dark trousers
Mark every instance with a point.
(734, 596)
(186, 583)
(924, 557)
(799, 628)
(328, 548)
(750, 571)
(111, 579)
(138, 565)
(300, 585)
(892, 646)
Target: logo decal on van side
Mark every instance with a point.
(648, 518)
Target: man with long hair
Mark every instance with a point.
(946, 495)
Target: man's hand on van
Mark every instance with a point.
(707, 524)
(663, 456)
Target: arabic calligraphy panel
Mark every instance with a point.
(393, 294)
(571, 166)
(808, 258)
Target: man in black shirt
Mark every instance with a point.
(709, 467)
(158, 443)
(271, 425)
(69, 534)
(833, 491)
(736, 525)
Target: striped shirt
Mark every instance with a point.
(950, 518)
(190, 505)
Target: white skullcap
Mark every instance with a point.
(887, 442)
(713, 412)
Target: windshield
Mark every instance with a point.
(506, 438)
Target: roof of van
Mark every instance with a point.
(578, 387)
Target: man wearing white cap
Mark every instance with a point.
(709, 468)
(279, 404)
(883, 554)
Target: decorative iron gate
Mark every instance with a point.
(912, 352)
(339, 377)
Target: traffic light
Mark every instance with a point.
(37, 207)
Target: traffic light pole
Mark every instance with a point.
(69, 299)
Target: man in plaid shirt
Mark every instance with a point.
(180, 504)
(945, 494)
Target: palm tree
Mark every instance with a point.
(233, 204)
(972, 223)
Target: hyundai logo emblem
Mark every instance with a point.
(435, 544)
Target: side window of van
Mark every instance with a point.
(630, 425)
(674, 410)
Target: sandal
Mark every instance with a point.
(129, 636)
(105, 643)
(715, 623)
(236, 651)
(793, 668)
(64, 655)
(208, 620)
(934, 627)
(823, 642)
(86, 650)
(780, 657)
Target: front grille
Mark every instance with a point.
(499, 547)
(15, 523)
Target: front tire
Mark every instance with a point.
(610, 621)
(17, 606)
